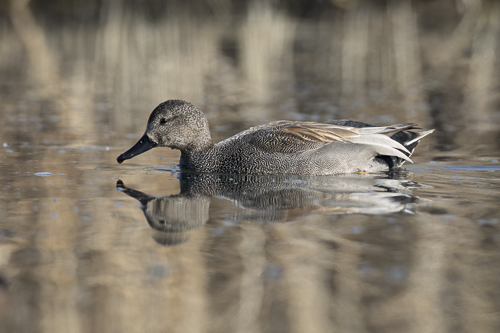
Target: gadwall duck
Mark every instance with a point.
(280, 147)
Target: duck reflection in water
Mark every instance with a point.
(270, 198)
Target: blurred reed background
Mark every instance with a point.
(431, 62)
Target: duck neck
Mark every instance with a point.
(193, 157)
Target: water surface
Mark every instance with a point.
(85, 238)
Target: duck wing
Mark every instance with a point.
(296, 136)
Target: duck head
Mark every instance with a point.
(176, 124)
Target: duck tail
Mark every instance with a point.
(399, 132)
(410, 140)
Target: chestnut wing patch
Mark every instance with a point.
(294, 137)
(320, 133)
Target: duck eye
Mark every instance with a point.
(163, 121)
